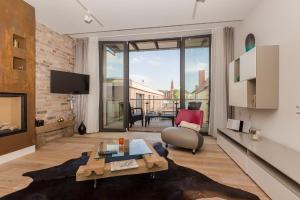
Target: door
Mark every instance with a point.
(248, 65)
(195, 75)
(113, 86)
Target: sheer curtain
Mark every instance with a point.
(81, 66)
(222, 51)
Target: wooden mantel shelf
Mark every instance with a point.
(54, 131)
(54, 126)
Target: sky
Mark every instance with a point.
(156, 69)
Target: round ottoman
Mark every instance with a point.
(182, 137)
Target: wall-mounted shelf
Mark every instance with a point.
(19, 52)
(19, 63)
(254, 79)
(19, 42)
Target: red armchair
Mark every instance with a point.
(191, 116)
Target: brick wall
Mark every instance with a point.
(53, 52)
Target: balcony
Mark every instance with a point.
(161, 111)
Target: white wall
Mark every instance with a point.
(277, 22)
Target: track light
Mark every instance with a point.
(88, 18)
(196, 6)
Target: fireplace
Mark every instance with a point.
(13, 118)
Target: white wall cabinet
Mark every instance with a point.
(248, 65)
(254, 79)
(237, 89)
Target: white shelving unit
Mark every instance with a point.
(254, 79)
(274, 167)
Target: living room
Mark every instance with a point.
(68, 129)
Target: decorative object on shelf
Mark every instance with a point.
(246, 126)
(60, 120)
(238, 125)
(255, 134)
(234, 124)
(82, 129)
(16, 43)
(250, 42)
(39, 122)
(121, 141)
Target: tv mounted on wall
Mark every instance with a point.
(69, 83)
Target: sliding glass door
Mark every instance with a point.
(192, 55)
(113, 86)
(196, 75)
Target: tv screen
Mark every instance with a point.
(69, 83)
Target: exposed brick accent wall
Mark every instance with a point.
(53, 52)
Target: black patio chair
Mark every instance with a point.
(135, 114)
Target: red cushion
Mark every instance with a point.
(191, 116)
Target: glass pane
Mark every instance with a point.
(154, 86)
(113, 86)
(197, 75)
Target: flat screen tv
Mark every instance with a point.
(69, 83)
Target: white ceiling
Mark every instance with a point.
(66, 16)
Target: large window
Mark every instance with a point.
(158, 76)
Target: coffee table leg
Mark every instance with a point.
(95, 184)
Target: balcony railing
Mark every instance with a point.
(114, 109)
(167, 105)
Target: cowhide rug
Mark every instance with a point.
(177, 183)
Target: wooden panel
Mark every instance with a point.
(18, 19)
(267, 80)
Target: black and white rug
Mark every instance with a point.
(177, 183)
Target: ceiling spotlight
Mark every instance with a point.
(88, 18)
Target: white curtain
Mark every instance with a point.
(218, 98)
(81, 66)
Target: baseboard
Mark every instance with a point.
(17, 154)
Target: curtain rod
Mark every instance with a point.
(154, 33)
(153, 27)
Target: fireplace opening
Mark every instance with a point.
(12, 113)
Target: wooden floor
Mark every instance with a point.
(211, 161)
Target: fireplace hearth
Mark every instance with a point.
(13, 108)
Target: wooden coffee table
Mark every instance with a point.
(97, 168)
